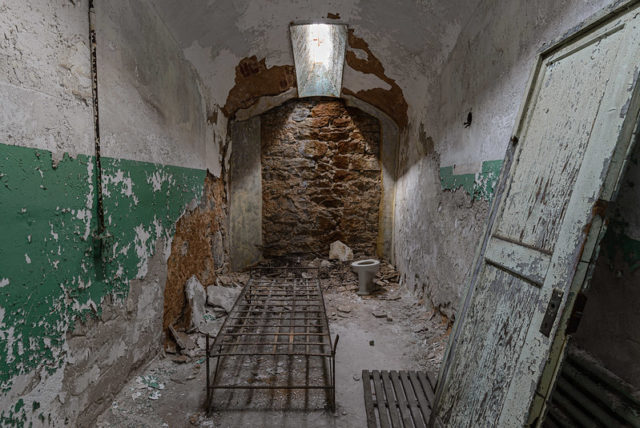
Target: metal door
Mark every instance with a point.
(573, 135)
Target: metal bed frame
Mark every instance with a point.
(281, 315)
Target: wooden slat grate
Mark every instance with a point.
(397, 399)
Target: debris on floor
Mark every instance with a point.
(196, 297)
(339, 251)
(222, 296)
(387, 330)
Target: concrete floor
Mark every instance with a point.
(170, 394)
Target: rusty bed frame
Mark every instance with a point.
(280, 312)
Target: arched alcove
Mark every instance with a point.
(306, 172)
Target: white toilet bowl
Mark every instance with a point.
(366, 270)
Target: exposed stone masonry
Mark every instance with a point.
(320, 178)
(197, 249)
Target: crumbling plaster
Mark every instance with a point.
(411, 39)
(245, 194)
(79, 314)
(486, 72)
(140, 68)
(52, 85)
(447, 59)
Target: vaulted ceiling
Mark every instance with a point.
(395, 47)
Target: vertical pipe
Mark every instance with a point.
(96, 123)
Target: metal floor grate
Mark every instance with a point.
(278, 318)
(397, 399)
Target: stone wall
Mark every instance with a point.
(321, 178)
(198, 248)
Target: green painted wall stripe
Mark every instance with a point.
(51, 267)
(479, 186)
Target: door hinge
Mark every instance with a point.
(552, 312)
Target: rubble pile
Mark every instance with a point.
(208, 307)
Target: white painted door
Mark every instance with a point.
(574, 133)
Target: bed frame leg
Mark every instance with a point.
(207, 365)
(333, 373)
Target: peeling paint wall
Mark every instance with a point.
(426, 65)
(395, 46)
(446, 170)
(79, 315)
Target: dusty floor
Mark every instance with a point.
(401, 335)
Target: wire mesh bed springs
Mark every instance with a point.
(277, 328)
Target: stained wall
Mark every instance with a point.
(80, 312)
(447, 171)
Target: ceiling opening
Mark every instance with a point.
(318, 53)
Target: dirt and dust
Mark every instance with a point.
(388, 330)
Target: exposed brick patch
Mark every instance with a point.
(197, 249)
(321, 178)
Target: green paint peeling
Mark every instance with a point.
(52, 269)
(142, 202)
(479, 186)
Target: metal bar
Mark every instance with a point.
(96, 124)
(267, 302)
(276, 334)
(276, 344)
(267, 309)
(285, 268)
(217, 339)
(275, 312)
(207, 364)
(271, 387)
(224, 323)
(215, 376)
(275, 349)
(588, 404)
(306, 323)
(275, 319)
(333, 370)
(264, 298)
(291, 325)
